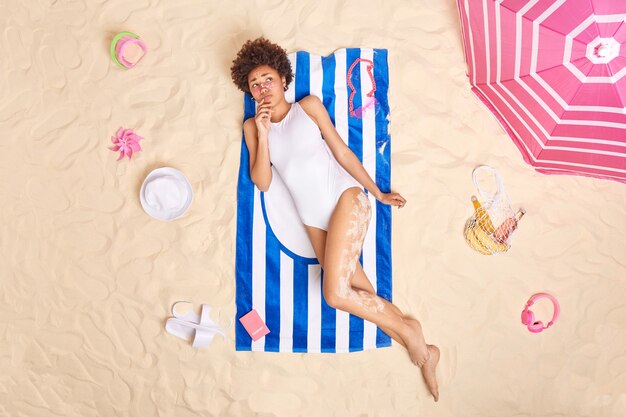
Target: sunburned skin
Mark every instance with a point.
(359, 220)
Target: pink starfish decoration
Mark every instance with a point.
(126, 142)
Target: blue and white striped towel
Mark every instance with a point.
(276, 271)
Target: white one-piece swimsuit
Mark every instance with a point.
(308, 168)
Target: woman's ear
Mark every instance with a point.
(284, 83)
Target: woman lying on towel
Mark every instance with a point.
(330, 200)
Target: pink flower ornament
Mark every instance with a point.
(126, 142)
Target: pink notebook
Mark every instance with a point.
(254, 325)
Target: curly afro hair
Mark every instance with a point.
(255, 53)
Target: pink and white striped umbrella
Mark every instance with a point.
(554, 74)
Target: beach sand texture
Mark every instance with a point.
(87, 279)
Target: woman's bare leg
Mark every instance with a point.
(344, 241)
(359, 279)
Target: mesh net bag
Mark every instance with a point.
(490, 228)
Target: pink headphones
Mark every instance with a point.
(528, 317)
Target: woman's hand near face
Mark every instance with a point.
(393, 199)
(263, 118)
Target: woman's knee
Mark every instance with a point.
(334, 297)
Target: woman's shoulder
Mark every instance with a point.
(310, 101)
(312, 106)
(249, 126)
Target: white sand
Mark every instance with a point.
(87, 278)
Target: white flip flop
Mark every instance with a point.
(188, 325)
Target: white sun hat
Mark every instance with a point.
(165, 194)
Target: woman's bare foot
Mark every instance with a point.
(429, 371)
(415, 343)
